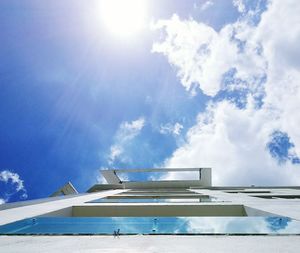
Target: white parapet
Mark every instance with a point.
(204, 179)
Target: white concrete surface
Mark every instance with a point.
(23, 212)
(155, 243)
(283, 207)
(150, 244)
(112, 177)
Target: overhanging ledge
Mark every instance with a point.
(114, 182)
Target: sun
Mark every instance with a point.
(123, 18)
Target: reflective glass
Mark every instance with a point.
(152, 200)
(153, 225)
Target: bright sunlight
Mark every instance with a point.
(123, 18)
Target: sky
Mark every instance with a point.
(89, 85)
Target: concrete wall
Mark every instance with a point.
(150, 244)
(281, 207)
(154, 244)
(58, 206)
(158, 209)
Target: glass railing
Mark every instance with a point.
(153, 225)
(152, 200)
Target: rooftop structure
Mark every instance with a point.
(155, 216)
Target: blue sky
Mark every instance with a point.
(194, 86)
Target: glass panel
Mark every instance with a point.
(152, 200)
(154, 225)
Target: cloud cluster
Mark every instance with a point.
(262, 60)
(14, 185)
(239, 4)
(171, 129)
(203, 56)
(123, 138)
(125, 134)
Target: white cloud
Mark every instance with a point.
(128, 130)
(206, 5)
(2, 201)
(279, 34)
(233, 142)
(187, 46)
(115, 151)
(202, 56)
(171, 129)
(6, 175)
(15, 183)
(229, 139)
(239, 4)
(177, 128)
(125, 134)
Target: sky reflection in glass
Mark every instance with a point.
(154, 225)
(152, 200)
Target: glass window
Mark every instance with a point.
(154, 200)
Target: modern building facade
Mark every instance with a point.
(155, 216)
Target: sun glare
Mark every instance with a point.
(123, 17)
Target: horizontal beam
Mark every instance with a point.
(157, 170)
(158, 209)
(111, 176)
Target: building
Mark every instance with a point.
(155, 216)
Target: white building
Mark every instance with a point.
(155, 216)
